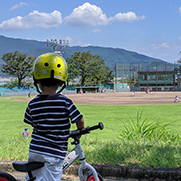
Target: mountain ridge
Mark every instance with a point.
(109, 54)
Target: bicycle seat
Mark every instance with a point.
(27, 166)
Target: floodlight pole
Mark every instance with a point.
(54, 43)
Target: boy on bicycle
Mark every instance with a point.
(50, 113)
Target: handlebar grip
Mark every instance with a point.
(99, 126)
(86, 130)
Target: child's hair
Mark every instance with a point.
(49, 82)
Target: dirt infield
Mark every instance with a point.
(119, 98)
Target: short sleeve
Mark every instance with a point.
(74, 113)
(27, 117)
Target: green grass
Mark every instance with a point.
(108, 146)
(114, 120)
(134, 153)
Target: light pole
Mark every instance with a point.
(54, 43)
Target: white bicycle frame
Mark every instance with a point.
(78, 153)
(74, 154)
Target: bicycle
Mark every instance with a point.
(86, 172)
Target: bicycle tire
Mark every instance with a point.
(6, 177)
(88, 176)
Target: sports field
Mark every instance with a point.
(120, 98)
(115, 110)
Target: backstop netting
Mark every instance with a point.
(128, 72)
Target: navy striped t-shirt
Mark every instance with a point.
(50, 117)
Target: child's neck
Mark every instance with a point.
(47, 93)
(48, 90)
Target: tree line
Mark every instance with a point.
(87, 68)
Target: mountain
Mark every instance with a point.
(110, 55)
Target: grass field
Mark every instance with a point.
(111, 147)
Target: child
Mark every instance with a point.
(147, 90)
(25, 133)
(176, 99)
(49, 114)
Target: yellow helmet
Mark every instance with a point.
(50, 65)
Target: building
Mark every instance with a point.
(157, 80)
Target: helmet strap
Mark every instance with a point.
(35, 84)
(38, 90)
(63, 87)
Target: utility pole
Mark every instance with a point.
(54, 43)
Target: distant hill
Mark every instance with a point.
(110, 55)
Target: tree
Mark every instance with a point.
(89, 68)
(17, 64)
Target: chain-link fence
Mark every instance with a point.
(128, 72)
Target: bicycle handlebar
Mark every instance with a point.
(86, 130)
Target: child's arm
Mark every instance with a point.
(80, 123)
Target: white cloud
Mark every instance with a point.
(163, 45)
(69, 39)
(34, 19)
(72, 42)
(180, 9)
(87, 15)
(20, 4)
(96, 31)
(126, 17)
(91, 15)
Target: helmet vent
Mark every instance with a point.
(58, 65)
(46, 64)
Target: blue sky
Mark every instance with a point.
(149, 27)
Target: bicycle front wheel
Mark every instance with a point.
(88, 176)
(6, 177)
